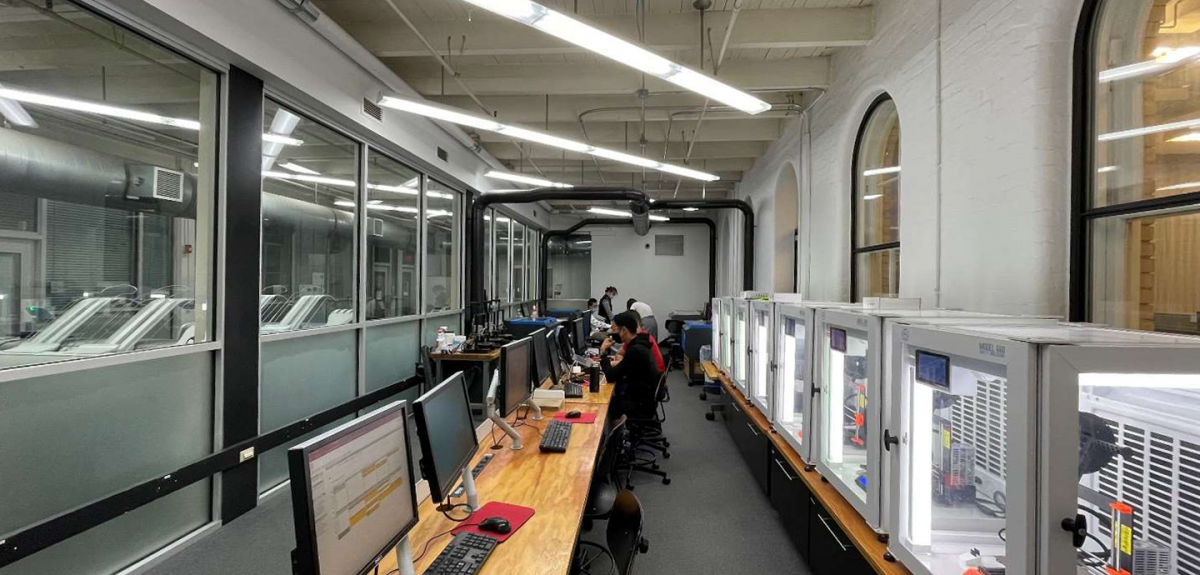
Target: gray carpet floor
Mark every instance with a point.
(711, 519)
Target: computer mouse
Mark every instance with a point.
(573, 414)
(495, 525)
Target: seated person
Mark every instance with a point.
(634, 372)
(658, 356)
(649, 323)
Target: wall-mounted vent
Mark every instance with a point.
(372, 110)
(377, 227)
(668, 245)
(443, 155)
(168, 185)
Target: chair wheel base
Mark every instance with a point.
(666, 455)
(666, 481)
(709, 416)
(703, 397)
(654, 466)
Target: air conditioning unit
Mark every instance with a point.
(155, 183)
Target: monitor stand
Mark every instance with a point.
(468, 481)
(498, 421)
(537, 411)
(404, 559)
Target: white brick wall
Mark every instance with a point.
(1005, 91)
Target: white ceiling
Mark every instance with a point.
(778, 50)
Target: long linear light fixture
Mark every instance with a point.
(341, 183)
(1165, 60)
(1146, 131)
(15, 114)
(522, 179)
(882, 171)
(566, 28)
(451, 115)
(620, 214)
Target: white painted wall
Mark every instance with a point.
(666, 283)
(984, 95)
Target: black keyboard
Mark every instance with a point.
(572, 390)
(463, 556)
(556, 437)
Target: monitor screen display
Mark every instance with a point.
(933, 369)
(353, 493)
(555, 357)
(447, 433)
(541, 357)
(837, 339)
(581, 335)
(516, 374)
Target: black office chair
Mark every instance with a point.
(672, 345)
(606, 482)
(426, 369)
(623, 538)
(646, 439)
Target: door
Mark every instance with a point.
(17, 286)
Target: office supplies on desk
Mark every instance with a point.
(516, 516)
(495, 525)
(549, 398)
(556, 437)
(464, 555)
(572, 390)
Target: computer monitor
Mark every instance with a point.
(556, 357)
(353, 494)
(581, 334)
(514, 380)
(541, 357)
(564, 345)
(447, 434)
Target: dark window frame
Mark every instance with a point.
(855, 250)
(1083, 168)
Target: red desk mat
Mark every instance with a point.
(584, 417)
(515, 514)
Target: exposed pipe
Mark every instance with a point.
(547, 236)
(479, 204)
(717, 70)
(747, 233)
(308, 13)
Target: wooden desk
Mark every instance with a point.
(485, 361)
(555, 485)
(863, 537)
(710, 370)
(604, 397)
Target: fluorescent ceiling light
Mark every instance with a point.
(396, 189)
(311, 179)
(498, 175)
(1135, 132)
(1141, 380)
(1107, 169)
(882, 171)
(562, 26)
(1179, 187)
(619, 213)
(447, 114)
(1165, 60)
(440, 113)
(299, 169)
(583, 242)
(872, 197)
(1188, 137)
(96, 108)
(691, 209)
(285, 140)
(15, 114)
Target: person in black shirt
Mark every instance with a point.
(606, 307)
(635, 374)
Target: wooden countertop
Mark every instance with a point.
(710, 370)
(555, 485)
(463, 356)
(843, 512)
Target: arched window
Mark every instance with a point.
(1136, 225)
(875, 214)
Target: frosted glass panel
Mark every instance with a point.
(105, 429)
(392, 353)
(301, 377)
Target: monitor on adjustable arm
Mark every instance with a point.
(565, 348)
(448, 441)
(510, 388)
(581, 334)
(551, 345)
(541, 357)
(354, 496)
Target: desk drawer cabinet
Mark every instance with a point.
(791, 497)
(830, 549)
(753, 444)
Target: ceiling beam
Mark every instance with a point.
(755, 29)
(425, 76)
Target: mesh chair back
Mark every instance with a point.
(624, 533)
